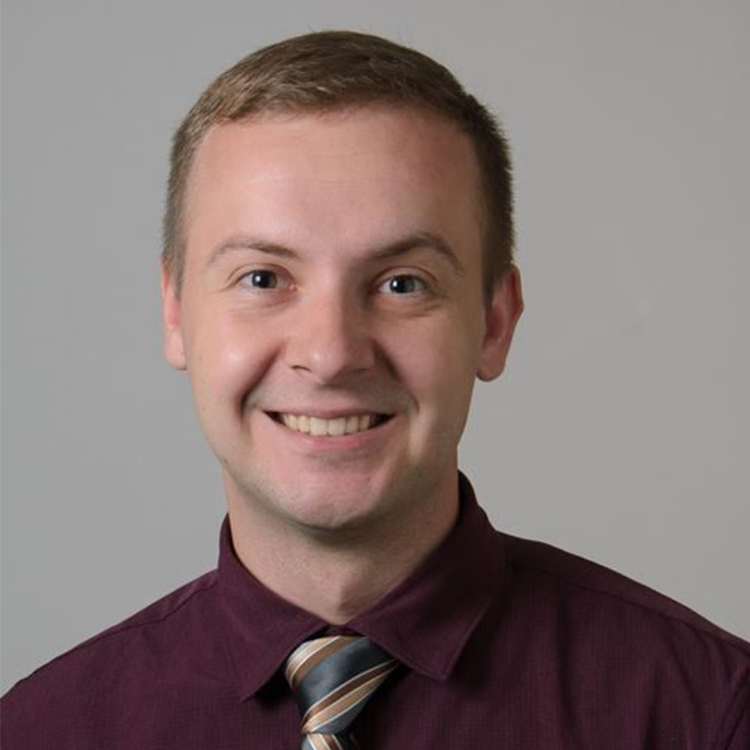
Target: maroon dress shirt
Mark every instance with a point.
(503, 643)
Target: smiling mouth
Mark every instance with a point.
(338, 427)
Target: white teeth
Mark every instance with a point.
(318, 426)
(334, 427)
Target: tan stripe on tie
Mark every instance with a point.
(310, 654)
(345, 696)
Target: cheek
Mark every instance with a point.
(227, 361)
(438, 367)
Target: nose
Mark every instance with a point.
(330, 339)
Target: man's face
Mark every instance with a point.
(333, 279)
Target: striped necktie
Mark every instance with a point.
(332, 679)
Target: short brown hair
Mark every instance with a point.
(334, 70)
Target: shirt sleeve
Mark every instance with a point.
(739, 738)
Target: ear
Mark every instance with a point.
(171, 305)
(500, 323)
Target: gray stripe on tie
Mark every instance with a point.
(344, 665)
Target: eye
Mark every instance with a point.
(262, 278)
(403, 284)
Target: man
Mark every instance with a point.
(337, 272)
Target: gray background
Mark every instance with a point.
(621, 428)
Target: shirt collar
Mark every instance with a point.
(424, 622)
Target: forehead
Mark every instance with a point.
(335, 177)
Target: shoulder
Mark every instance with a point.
(620, 639)
(622, 649)
(583, 582)
(105, 668)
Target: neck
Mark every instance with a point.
(338, 574)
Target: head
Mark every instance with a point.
(339, 70)
(326, 272)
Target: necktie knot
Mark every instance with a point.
(332, 679)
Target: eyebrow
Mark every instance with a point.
(418, 241)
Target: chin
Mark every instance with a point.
(324, 515)
(314, 508)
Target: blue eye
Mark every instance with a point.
(403, 284)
